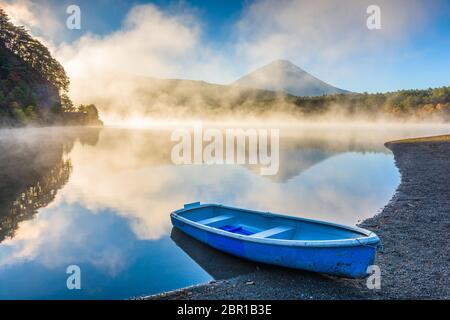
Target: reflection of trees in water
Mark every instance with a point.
(33, 167)
(33, 198)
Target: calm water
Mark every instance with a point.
(101, 198)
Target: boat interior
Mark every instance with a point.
(256, 225)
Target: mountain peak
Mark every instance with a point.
(282, 62)
(283, 75)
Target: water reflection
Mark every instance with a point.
(33, 167)
(101, 199)
(218, 264)
(34, 197)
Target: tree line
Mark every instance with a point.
(34, 85)
(33, 52)
(404, 104)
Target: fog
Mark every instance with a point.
(118, 71)
(75, 182)
(101, 197)
(121, 71)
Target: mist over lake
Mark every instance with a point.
(100, 198)
(224, 150)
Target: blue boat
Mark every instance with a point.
(286, 241)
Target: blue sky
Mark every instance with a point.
(101, 17)
(326, 38)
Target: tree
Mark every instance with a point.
(66, 104)
(17, 112)
(90, 110)
(33, 52)
(30, 113)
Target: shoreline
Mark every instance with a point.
(56, 126)
(414, 227)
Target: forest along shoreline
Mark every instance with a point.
(414, 227)
(33, 85)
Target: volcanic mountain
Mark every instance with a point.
(283, 75)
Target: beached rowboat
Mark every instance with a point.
(280, 240)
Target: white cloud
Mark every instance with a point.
(37, 16)
(147, 44)
(169, 44)
(328, 38)
(322, 32)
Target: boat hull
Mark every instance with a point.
(343, 261)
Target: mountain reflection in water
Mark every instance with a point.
(101, 198)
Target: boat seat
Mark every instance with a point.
(272, 232)
(217, 220)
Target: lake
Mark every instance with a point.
(100, 198)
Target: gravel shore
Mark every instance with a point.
(414, 227)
